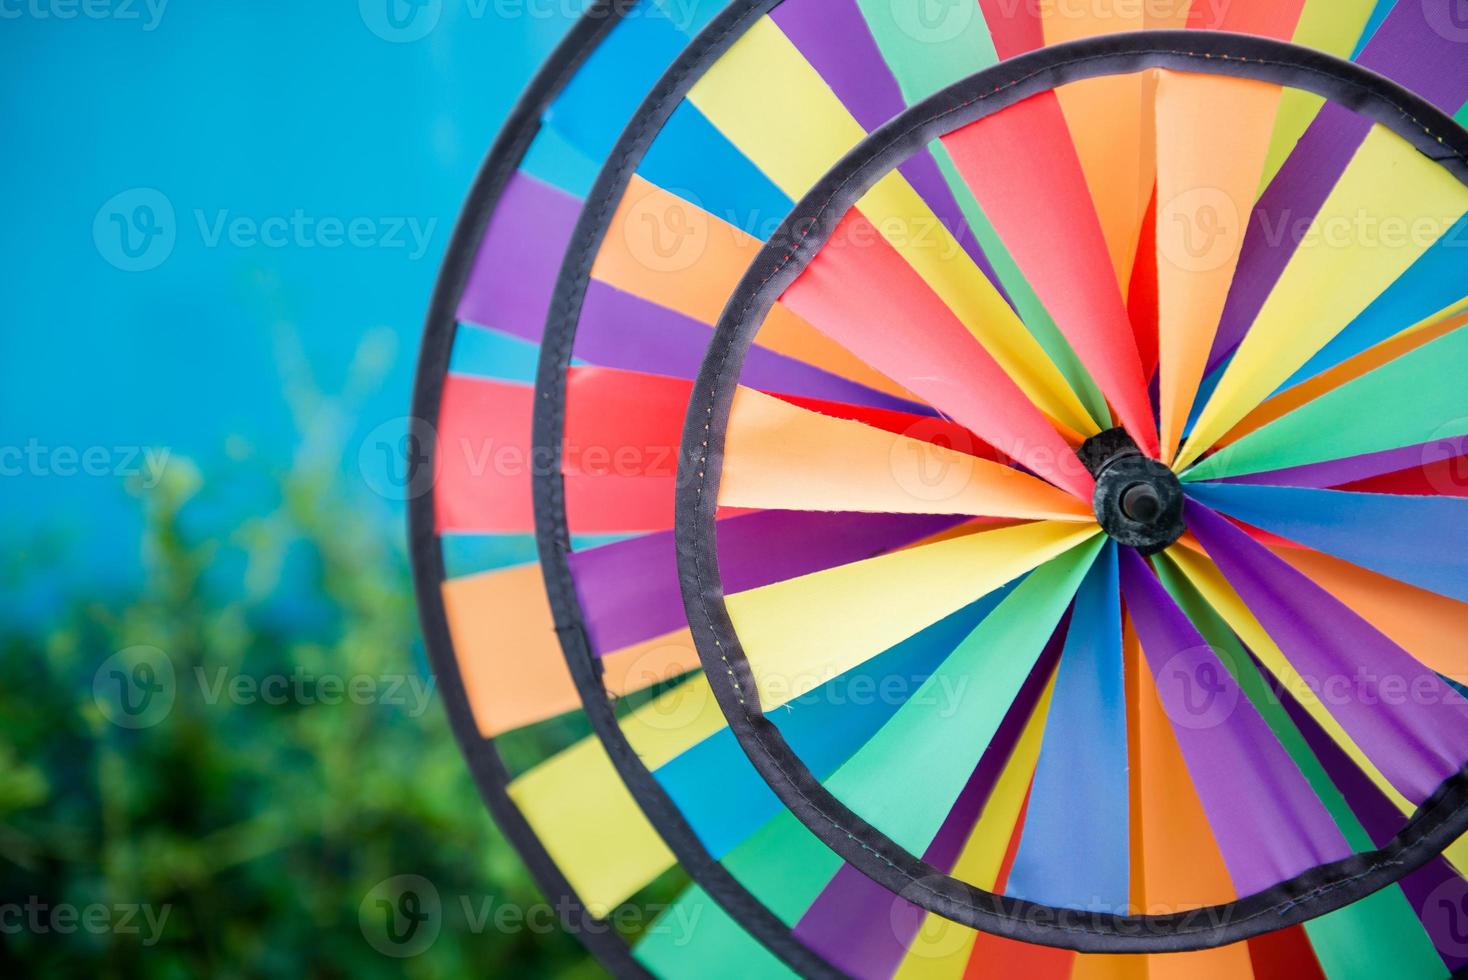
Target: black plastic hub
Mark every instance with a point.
(1138, 501)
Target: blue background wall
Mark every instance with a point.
(228, 114)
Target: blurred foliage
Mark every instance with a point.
(259, 828)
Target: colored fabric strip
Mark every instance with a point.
(585, 814)
(859, 926)
(1210, 583)
(1425, 624)
(1372, 359)
(620, 330)
(907, 777)
(691, 158)
(1176, 860)
(798, 633)
(1382, 822)
(944, 948)
(1056, 238)
(515, 271)
(1419, 540)
(1438, 281)
(834, 37)
(663, 249)
(1212, 134)
(1435, 463)
(510, 657)
(606, 91)
(1109, 124)
(528, 233)
(1406, 49)
(1413, 400)
(1062, 861)
(797, 146)
(1333, 26)
(629, 590)
(785, 865)
(1448, 477)
(780, 456)
(1268, 823)
(927, 54)
(725, 799)
(1416, 746)
(875, 305)
(1340, 267)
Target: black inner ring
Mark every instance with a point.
(1436, 824)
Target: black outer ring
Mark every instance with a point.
(552, 533)
(485, 763)
(1440, 821)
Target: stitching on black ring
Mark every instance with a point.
(701, 574)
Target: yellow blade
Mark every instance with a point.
(800, 633)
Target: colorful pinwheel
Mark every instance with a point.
(973, 489)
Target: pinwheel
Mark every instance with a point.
(966, 502)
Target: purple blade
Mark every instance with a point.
(1409, 49)
(1269, 824)
(620, 330)
(515, 272)
(515, 269)
(629, 590)
(1408, 722)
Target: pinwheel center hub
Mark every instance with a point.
(1138, 501)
